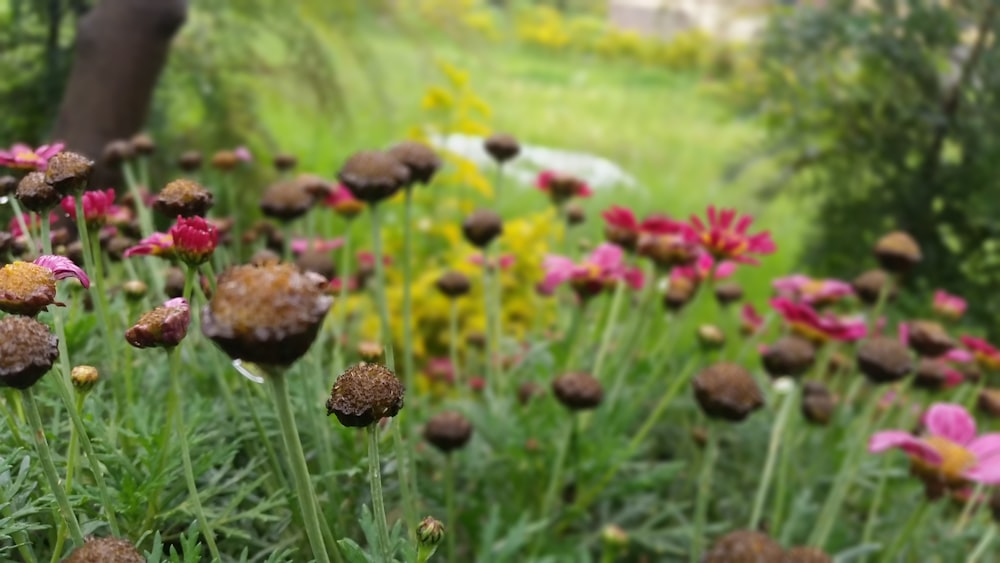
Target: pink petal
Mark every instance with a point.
(882, 441)
(725, 269)
(63, 268)
(986, 472)
(607, 256)
(985, 446)
(950, 421)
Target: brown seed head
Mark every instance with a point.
(476, 339)
(8, 185)
(183, 197)
(744, 546)
(679, 293)
(26, 288)
(897, 252)
(36, 195)
(453, 284)
(789, 356)
(318, 262)
(286, 200)
(502, 147)
(803, 554)
(189, 161)
(373, 175)
(284, 162)
(288, 309)
(27, 351)
(225, 160)
(365, 394)
(448, 431)
(421, 160)
(84, 378)
(578, 391)
(68, 172)
(727, 293)
(868, 286)
(931, 374)
(818, 403)
(989, 402)
(316, 186)
(727, 391)
(105, 550)
(481, 227)
(143, 144)
(884, 360)
(575, 214)
(116, 152)
(929, 339)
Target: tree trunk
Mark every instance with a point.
(121, 48)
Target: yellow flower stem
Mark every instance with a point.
(49, 468)
(199, 512)
(704, 492)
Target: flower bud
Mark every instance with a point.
(430, 532)
(371, 352)
(189, 161)
(869, 285)
(84, 378)
(135, 290)
(143, 144)
(614, 536)
(727, 391)
(194, 240)
(711, 337)
(453, 284)
(727, 293)
(284, 162)
(575, 214)
(481, 227)
(578, 391)
(818, 403)
(448, 431)
(789, 356)
(225, 160)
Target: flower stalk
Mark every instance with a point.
(704, 493)
(773, 450)
(378, 503)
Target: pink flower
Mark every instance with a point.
(367, 259)
(604, 268)
(156, 244)
(440, 369)
(301, 245)
(194, 239)
(621, 227)
(805, 321)
(336, 284)
(98, 206)
(243, 154)
(562, 187)
(949, 453)
(812, 291)
(750, 320)
(31, 220)
(62, 268)
(726, 237)
(948, 305)
(668, 243)
(701, 270)
(163, 327)
(506, 261)
(985, 353)
(24, 157)
(343, 202)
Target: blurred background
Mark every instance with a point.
(832, 121)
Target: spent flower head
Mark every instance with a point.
(562, 187)
(27, 288)
(163, 327)
(365, 394)
(27, 351)
(183, 197)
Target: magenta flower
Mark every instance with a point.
(805, 321)
(750, 320)
(985, 353)
(367, 259)
(156, 244)
(31, 220)
(440, 369)
(815, 292)
(343, 202)
(301, 245)
(668, 243)
(948, 305)
(163, 327)
(726, 237)
(603, 269)
(506, 261)
(98, 206)
(949, 453)
(26, 158)
(337, 284)
(701, 270)
(62, 268)
(562, 187)
(243, 154)
(621, 227)
(194, 239)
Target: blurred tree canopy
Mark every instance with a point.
(886, 114)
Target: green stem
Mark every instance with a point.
(575, 322)
(378, 504)
(488, 303)
(145, 218)
(557, 469)
(24, 543)
(407, 474)
(408, 368)
(773, 449)
(914, 522)
(49, 468)
(74, 448)
(969, 509)
(297, 460)
(633, 341)
(497, 282)
(453, 341)
(19, 217)
(95, 267)
(383, 305)
(450, 512)
(609, 326)
(704, 493)
(876, 503)
(176, 372)
(983, 545)
(345, 276)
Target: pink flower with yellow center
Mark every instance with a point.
(668, 243)
(603, 269)
(702, 269)
(986, 355)
(156, 244)
(949, 453)
(194, 239)
(726, 237)
(948, 305)
(98, 206)
(27, 288)
(816, 292)
(24, 157)
(301, 245)
(562, 187)
(805, 321)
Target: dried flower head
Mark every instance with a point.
(84, 378)
(27, 351)
(68, 172)
(185, 198)
(105, 550)
(163, 327)
(744, 546)
(789, 356)
(373, 176)
(727, 391)
(575, 214)
(562, 187)
(481, 227)
(284, 162)
(27, 288)
(679, 293)
(286, 200)
(869, 285)
(929, 339)
(35, 194)
(288, 309)
(897, 252)
(371, 352)
(578, 391)
(934, 375)
(818, 403)
(453, 284)
(189, 161)
(365, 394)
(421, 160)
(143, 144)
(117, 152)
(727, 293)
(502, 147)
(225, 160)
(448, 431)
(884, 360)
(8, 185)
(430, 532)
(989, 402)
(804, 554)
